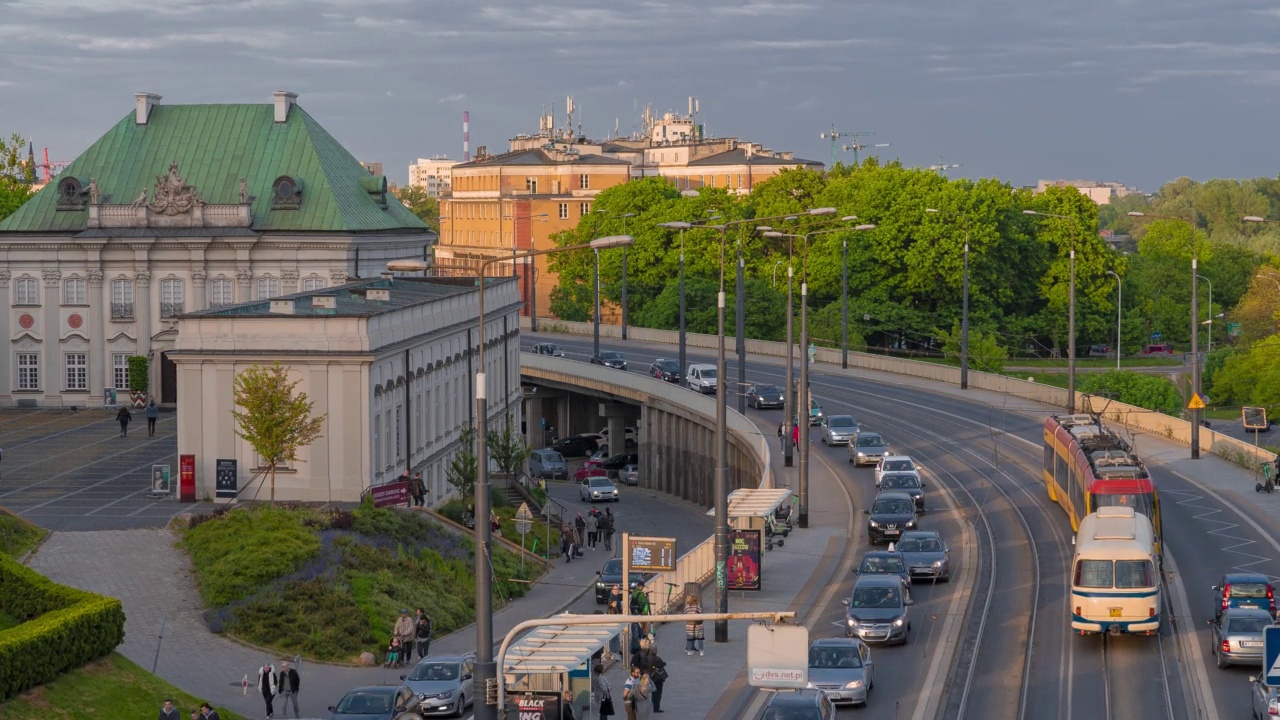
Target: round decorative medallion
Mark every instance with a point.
(75, 321)
(26, 321)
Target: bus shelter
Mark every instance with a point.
(556, 658)
(750, 508)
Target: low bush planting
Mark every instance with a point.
(17, 536)
(455, 510)
(340, 577)
(59, 628)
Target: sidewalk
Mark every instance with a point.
(793, 576)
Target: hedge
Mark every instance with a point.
(62, 629)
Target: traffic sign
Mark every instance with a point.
(1155, 336)
(524, 519)
(1233, 329)
(1196, 402)
(1271, 653)
(1254, 418)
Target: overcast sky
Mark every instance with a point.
(1138, 91)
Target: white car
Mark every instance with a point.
(896, 463)
(701, 377)
(598, 488)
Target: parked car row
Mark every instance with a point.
(437, 685)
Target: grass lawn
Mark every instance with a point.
(105, 689)
(330, 584)
(17, 536)
(1056, 379)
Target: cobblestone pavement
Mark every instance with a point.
(68, 470)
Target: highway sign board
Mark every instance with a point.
(1254, 418)
(1271, 653)
(1196, 402)
(1233, 329)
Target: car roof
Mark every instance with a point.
(920, 534)
(1247, 612)
(893, 495)
(900, 473)
(798, 698)
(1239, 577)
(881, 553)
(899, 457)
(453, 657)
(836, 642)
(375, 689)
(878, 580)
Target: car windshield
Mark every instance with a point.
(365, 703)
(598, 481)
(435, 671)
(899, 481)
(840, 421)
(669, 365)
(874, 597)
(869, 440)
(891, 506)
(920, 545)
(767, 390)
(1247, 590)
(552, 456)
(611, 356)
(709, 373)
(1246, 626)
(612, 567)
(882, 565)
(892, 465)
(834, 657)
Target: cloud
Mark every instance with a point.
(798, 44)
(455, 98)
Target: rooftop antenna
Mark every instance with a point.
(834, 136)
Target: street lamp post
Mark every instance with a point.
(681, 226)
(964, 312)
(1071, 322)
(1195, 325)
(1209, 322)
(485, 669)
(595, 340)
(1119, 311)
(844, 297)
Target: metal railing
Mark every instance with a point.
(170, 309)
(121, 311)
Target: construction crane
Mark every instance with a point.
(855, 147)
(834, 138)
(943, 167)
(51, 168)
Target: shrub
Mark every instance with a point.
(64, 629)
(246, 549)
(1152, 392)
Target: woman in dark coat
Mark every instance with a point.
(124, 416)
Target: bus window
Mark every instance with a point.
(1093, 574)
(1134, 574)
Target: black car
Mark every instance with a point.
(808, 704)
(619, 461)
(610, 575)
(666, 369)
(892, 514)
(905, 482)
(375, 702)
(764, 396)
(575, 446)
(609, 358)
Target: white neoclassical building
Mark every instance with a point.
(390, 362)
(179, 208)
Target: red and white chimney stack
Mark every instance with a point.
(466, 136)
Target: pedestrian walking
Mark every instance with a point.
(289, 690)
(593, 529)
(566, 706)
(422, 633)
(404, 631)
(694, 635)
(655, 667)
(580, 530)
(628, 688)
(615, 608)
(168, 711)
(795, 434)
(208, 713)
(566, 543)
(602, 692)
(153, 414)
(418, 490)
(607, 529)
(268, 686)
(123, 416)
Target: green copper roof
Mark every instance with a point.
(215, 146)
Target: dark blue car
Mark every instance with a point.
(1244, 590)
(374, 702)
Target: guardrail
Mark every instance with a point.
(1167, 426)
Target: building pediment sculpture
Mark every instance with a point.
(172, 195)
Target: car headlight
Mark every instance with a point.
(861, 454)
(911, 524)
(445, 695)
(897, 622)
(937, 563)
(873, 523)
(853, 622)
(854, 685)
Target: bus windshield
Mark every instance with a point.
(1140, 502)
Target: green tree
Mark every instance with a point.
(415, 197)
(16, 175)
(1153, 392)
(275, 418)
(1250, 377)
(507, 448)
(463, 469)
(985, 351)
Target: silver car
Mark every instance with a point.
(546, 463)
(867, 448)
(443, 683)
(1237, 636)
(841, 668)
(926, 554)
(1266, 698)
(596, 488)
(838, 429)
(629, 475)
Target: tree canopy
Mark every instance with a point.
(17, 173)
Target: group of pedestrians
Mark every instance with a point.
(647, 674)
(283, 684)
(417, 488)
(123, 416)
(205, 712)
(409, 634)
(589, 532)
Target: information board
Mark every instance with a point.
(389, 494)
(226, 481)
(652, 554)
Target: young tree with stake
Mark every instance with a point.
(274, 417)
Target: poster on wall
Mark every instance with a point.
(535, 706)
(225, 481)
(160, 480)
(743, 572)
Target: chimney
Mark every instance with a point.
(283, 101)
(145, 101)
